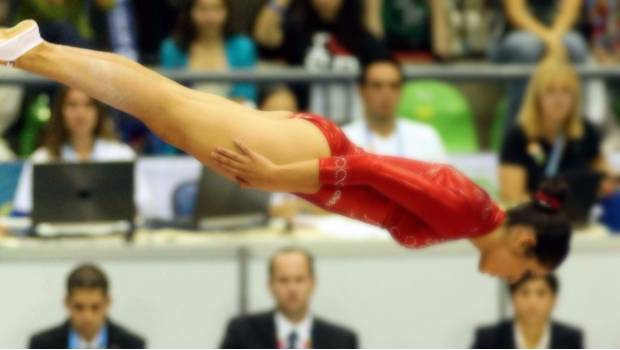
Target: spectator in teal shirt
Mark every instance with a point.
(203, 41)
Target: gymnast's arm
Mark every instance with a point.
(448, 202)
(253, 170)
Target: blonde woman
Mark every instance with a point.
(551, 138)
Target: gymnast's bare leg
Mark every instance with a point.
(193, 121)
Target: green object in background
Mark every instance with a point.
(37, 114)
(442, 106)
(497, 129)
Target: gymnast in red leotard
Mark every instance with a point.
(418, 203)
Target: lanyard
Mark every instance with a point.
(102, 339)
(400, 142)
(556, 156)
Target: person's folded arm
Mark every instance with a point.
(519, 15)
(567, 16)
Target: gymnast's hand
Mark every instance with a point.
(249, 168)
(253, 170)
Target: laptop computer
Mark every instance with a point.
(223, 205)
(66, 194)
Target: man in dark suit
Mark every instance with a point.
(291, 325)
(533, 299)
(88, 327)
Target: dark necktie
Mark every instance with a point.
(292, 340)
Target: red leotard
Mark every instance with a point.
(419, 203)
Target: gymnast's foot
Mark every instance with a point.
(18, 40)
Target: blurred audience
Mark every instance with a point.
(324, 36)
(78, 130)
(537, 29)
(533, 300)
(87, 302)
(203, 41)
(382, 131)
(291, 325)
(551, 138)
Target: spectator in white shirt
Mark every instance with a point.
(382, 131)
(79, 130)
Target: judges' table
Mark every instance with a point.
(179, 289)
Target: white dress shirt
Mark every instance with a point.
(544, 343)
(103, 151)
(303, 331)
(409, 140)
(93, 344)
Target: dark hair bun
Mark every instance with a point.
(552, 195)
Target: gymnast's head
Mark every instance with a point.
(534, 240)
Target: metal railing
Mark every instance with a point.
(455, 72)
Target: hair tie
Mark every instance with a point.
(548, 201)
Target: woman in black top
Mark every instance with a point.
(549, 127)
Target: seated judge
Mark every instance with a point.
(552, 139)
(533, 300)
(88, 327)
(292, 325)
(79, 130)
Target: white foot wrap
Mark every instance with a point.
(13, 48)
